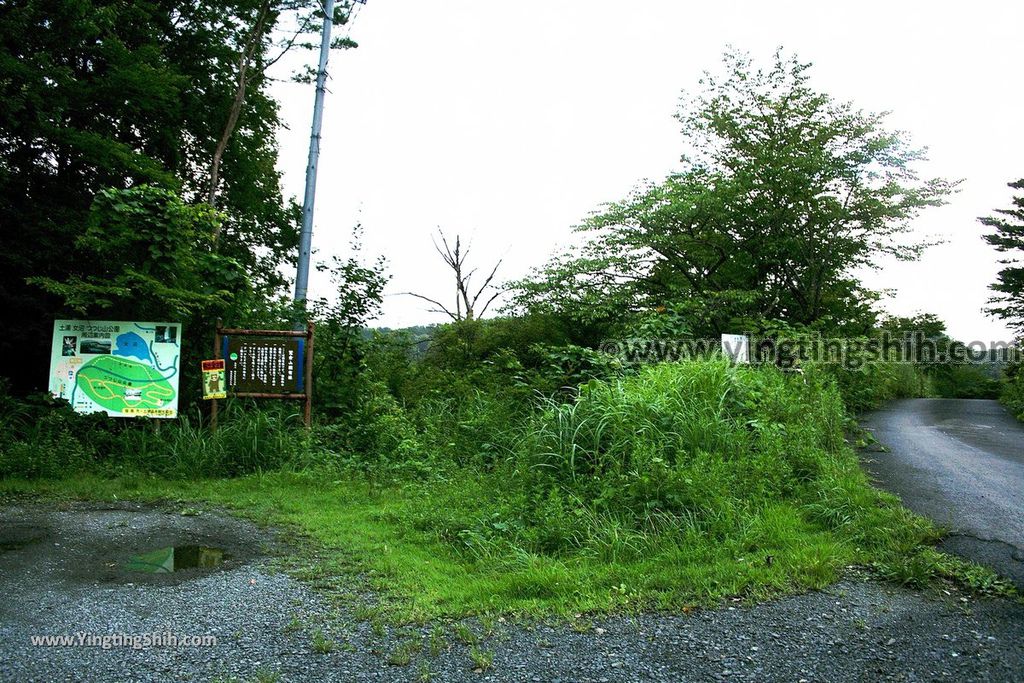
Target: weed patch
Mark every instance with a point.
(680, 485)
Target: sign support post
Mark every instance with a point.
(216, 355)
(308, 413)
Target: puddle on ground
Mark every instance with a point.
(16, 537)
(12, 545)
(177, 558)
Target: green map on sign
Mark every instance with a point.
(120, 384)
(121, 368)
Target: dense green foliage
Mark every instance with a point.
(103, 96)
(146, 255)
(676, 485)
(1008, 303)
(1013, 391)
(782, 195)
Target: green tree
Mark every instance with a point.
(101, 94)
(147, 255)
(784, 193)
(341, 320)
(1008, 239)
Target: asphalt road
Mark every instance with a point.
(961, 463)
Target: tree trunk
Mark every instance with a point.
(236, 105)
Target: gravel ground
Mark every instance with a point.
(60, 573)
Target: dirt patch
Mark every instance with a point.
(97, 543)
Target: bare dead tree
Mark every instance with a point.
(466, 296)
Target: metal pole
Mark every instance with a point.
(216, 354)
(308, 408)
(306, 236)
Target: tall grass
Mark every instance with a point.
(692, 463)
(700, 438)
(43, 440)
(247, 440)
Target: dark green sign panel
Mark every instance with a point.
(256, 365)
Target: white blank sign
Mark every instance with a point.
(736, 347)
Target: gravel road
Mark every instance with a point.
(961, 463)
(61, 572)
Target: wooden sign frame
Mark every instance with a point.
(307, 368)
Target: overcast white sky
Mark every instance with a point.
(512, 121)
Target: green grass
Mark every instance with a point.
(321, 644)
(465, 635)
(49, 440)
(482, 659)
(437, 641)
(681, 486)
(402, 655)
(372, 531)
(293, 626)
(262, 675)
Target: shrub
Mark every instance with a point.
(701, 441)
(43, 437)
(965, 381)
(565, 367)
(1012, 394)
(869, 386)
(376, 437)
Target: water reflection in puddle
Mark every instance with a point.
(176, 558)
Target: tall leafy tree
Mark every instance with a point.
(1008, 239)
(114, 94)
(784, 193)
(154, 259)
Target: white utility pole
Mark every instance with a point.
(306, 236)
